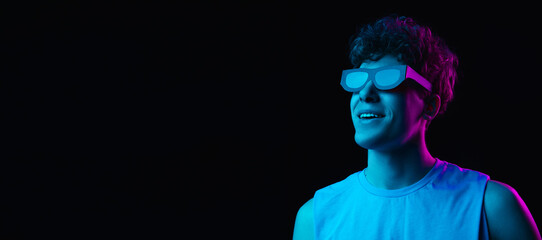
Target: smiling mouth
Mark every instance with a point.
(370, 116)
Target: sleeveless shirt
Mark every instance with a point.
(447, 203)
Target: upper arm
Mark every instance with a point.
(304, 222)
(507, 215)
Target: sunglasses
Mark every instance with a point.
(384, 78)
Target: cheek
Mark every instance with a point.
(354, 100)
(404, 109)
(411, 109)
(415, 105)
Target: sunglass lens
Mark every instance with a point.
(356, 79)
(388, 78)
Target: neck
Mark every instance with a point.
(399, 167)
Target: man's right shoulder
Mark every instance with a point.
(306, 208)
(304, 222)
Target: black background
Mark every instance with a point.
(221, 119)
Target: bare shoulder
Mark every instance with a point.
(499, 193)
(507, 214)
(304, 222)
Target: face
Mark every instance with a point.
(386, 119)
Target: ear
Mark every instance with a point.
(432, 107)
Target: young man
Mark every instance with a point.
(403, 78)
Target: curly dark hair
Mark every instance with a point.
(414, 45)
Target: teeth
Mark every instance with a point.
(370, 115)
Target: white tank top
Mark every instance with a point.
(445, 204)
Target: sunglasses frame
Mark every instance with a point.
(406, 72)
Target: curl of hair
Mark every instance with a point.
(415, 46)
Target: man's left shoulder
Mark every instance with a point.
(500, 192)
(507, 214)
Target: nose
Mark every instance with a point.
(369, 93)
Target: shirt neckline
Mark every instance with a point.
(433, 173)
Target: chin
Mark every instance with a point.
(365, 141)
(374, 142)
